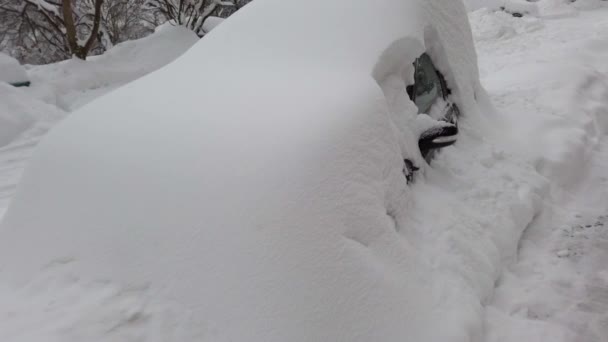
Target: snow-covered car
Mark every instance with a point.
(256, 188)
(12, 72)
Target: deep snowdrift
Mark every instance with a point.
(264, 200)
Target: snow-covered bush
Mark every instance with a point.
(123, 20)
(55, 27)
(37, 32)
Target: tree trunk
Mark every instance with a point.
(80, 51)
(95, 29)
(70, 28)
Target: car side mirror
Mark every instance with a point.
(438, 137)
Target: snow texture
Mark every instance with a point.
(10, 70)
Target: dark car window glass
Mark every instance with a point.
(427, 84)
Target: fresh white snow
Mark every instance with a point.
(502, 239)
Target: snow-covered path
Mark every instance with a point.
(548, 76)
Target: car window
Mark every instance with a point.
(427, 84)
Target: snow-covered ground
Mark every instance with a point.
(548, 76)
(547, 159)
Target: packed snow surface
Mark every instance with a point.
(131, 225)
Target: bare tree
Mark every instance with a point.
(191, 13)
(26, 31)
(123, 20)
(64, 27)
(44, 31)
(77, 48)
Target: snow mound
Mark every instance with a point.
(254, 191)
(10, 70)
(72, 83)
